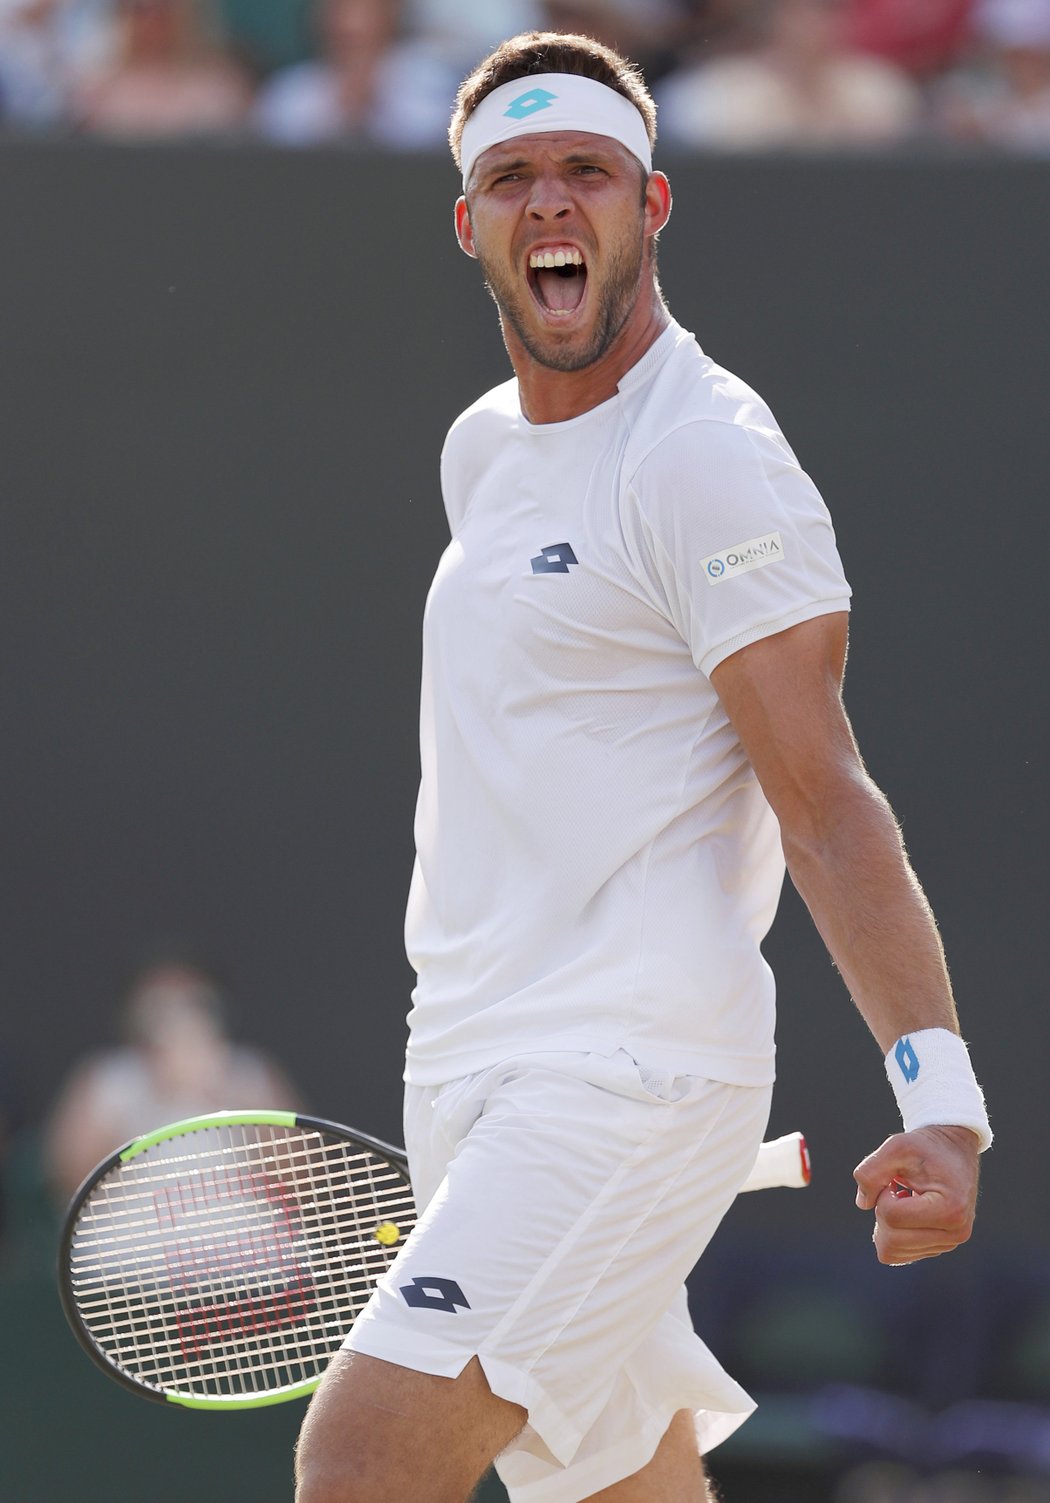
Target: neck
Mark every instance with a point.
(552, 396)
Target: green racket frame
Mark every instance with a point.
(394, 1162)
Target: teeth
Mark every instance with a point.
(549, 259)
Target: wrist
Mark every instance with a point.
(964, 1138)
(934, 1083)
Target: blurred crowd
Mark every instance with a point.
(727, 74)
(172, 1048)
(174, 1058)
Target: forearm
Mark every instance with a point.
(849, 864)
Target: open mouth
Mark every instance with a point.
(557, 278)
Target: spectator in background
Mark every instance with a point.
(923, 37)
(34, 78)
(1003, 97)
(267, 34)
(370, 84)
(462, 31)
(177, 1061)
(801, 87)
(647, 30)
(170, 74)
(712, 27)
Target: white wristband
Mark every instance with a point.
(934, 1083)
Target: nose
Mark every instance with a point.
(549, 199)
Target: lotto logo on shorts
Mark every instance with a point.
(530, 104)
(756, 553)
(434, 1294)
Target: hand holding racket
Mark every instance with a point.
(219, 1262)
(922, 1188)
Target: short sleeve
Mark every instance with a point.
(731, 538)
(452, 484)
(475, 436)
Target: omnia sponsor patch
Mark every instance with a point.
(756, 553)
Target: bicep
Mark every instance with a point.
(783, 697)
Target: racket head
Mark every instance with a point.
(219, 1262)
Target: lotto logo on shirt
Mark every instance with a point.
(756, 553)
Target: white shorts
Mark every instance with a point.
(564, 1199)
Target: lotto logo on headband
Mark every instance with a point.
(553, 102)
(530, 104)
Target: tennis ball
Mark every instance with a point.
(387, 1233)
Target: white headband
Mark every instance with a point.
(553, 101)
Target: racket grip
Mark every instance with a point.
(781, 1162)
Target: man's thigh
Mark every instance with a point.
(553, 1253)
(375, 1431)
(674, 1475)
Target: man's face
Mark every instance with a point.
(559, 226)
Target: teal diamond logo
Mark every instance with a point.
(530, 104)
(907, 1059)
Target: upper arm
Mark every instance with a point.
(730, 538)
(783, 697)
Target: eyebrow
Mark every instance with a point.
(571, 159)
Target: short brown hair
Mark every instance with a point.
(550, 52)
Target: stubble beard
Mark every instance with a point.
(621, 292)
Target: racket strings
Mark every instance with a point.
(239, 1265)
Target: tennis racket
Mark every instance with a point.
(219, 1262)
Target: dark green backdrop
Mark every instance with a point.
(226, 377)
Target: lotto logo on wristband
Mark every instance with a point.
(907, 1059)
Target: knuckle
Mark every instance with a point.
(959, 1223)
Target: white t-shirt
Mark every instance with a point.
(596, 863)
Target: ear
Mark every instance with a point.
(464, 230)
(657, 203)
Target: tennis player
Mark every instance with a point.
(631, 714)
